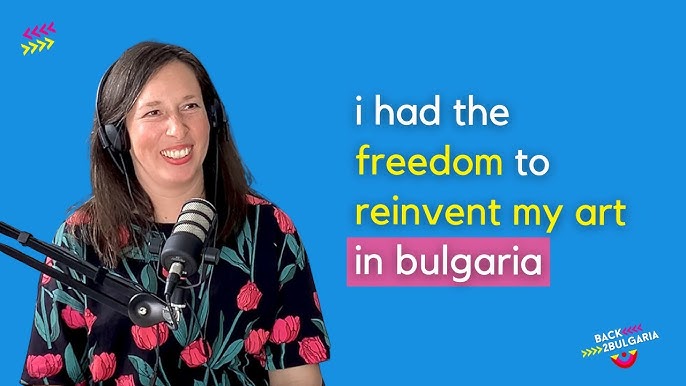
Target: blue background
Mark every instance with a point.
(598, 89)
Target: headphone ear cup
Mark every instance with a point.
(218, 119)
(116, 137)
(212, 117)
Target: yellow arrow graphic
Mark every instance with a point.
(26, 49)
(42, 44)
(591, 351)
(50, 41)
(34, 45)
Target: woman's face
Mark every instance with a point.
(169, 130)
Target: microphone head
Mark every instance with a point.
(189, 235)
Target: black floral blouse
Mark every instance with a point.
(257, 310)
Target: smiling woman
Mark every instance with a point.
(169, 133)
(161, 139)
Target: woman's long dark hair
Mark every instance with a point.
(110, 210)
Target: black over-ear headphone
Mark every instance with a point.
(114, 139)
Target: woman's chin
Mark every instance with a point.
(180, 179)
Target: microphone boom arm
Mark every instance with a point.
(139, 305)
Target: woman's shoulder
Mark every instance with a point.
(266, 211)
(73, 224)
(69, 233)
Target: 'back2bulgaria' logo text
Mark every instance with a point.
(620, 343)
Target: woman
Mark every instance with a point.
(161, 138)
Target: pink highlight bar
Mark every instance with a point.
(448, 262)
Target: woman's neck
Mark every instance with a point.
(167, 204)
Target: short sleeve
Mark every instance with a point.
(298, 335)
(56, 351)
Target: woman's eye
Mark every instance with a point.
(192, 106)
(152, 113)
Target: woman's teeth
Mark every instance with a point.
(176, 154)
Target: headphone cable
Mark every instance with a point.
(153, 379)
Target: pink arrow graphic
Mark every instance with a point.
(42, 29)
(27, 33)
(631, 329)
(50, 27)
(34, 33)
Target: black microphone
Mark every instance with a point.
(183, 250)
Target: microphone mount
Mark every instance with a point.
(209, 255)
(142, 307)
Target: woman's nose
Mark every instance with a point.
(176, 127)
